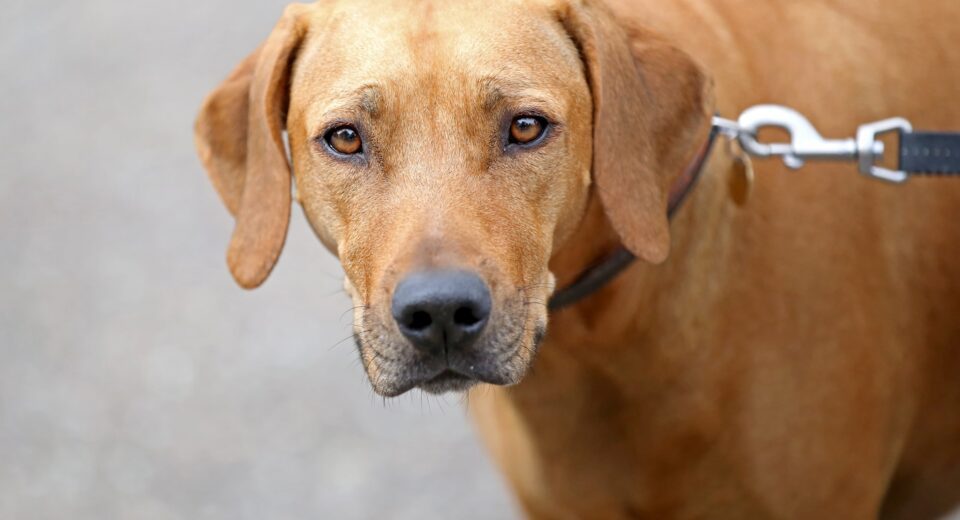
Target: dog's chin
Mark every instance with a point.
(450, 380)
(447, 381)
(444, 380)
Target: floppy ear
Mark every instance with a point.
(651, 112)
(239, 138)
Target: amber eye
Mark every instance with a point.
(527, 129)
(344, 139)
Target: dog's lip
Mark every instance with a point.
(447, 376)
(442, 378)
(457, 372)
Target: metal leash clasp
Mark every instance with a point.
(807, 144)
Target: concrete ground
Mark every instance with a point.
(136, 380)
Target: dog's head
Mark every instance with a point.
(445, 151)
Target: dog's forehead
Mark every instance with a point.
(465, 43)
(422, 20)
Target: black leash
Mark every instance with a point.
(930, 153)
(919, 153)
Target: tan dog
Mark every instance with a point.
(798, 357)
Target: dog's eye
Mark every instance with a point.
(344, 139)
(527, 129)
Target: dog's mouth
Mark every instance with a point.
(398, 360)
(394, 367)
(393, 377)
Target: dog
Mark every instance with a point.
(786, 349)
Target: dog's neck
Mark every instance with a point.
(637, 298)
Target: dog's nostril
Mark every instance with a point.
(419, 320)
(465, 316)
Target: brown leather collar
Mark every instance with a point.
(599, 274)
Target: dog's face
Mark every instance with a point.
(444, 151)
(467, 167)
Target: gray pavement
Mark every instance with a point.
(136, 380)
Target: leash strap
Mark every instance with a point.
(923, 153)
(930, 153)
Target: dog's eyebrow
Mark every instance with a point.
(366, 98)
(491, 93)
(370, 99)
(495, 90)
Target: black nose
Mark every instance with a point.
(439, 310)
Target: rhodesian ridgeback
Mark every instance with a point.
(791, 350)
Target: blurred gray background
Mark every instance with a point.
(136, 380)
